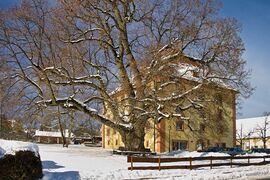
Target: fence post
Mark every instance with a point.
(264, 159)
(211, 162)
(190, 163)
(159, 163)
(131, 159)
(231, 161)
(248, 160)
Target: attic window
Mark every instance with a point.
(195, 73)
(178, 110)
(179, 125)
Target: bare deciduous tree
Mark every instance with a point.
(262, 129)
(241, 135)
(73, 54)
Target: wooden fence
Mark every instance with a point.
(228, 161)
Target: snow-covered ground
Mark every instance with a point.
(79, 162)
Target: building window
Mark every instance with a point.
(179, 145)
(200, 145)
(221, 145)
(219, 99)
(147, 143)
(178, 110)
(179, 126)
(116, 142)
(108, 142)
(108, 131)
(195, 74)
(220, 116)
(221, 128)
(202, 127)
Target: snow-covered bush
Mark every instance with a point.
(19, 160)
(23, 165)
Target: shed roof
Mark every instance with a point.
(52, 134)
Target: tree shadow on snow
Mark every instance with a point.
(50, 165)
(49, 175)
(67, 175)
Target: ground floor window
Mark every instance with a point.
(221, 145)
(179, 144)
(202, 144)
(147, 143)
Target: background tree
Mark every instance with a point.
(262, 129)
(87, 128)
(11, 104)
(241, 135)
(74, 54)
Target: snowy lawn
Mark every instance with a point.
(79, 162)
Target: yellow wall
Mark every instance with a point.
(253, 143)
(218, 129)
(211, 135)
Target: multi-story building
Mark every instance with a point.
(213, 125)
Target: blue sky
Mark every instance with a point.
(254, 15)
(7, 3)
(255, 19)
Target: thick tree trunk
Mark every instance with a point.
(65, 144)
(134, 140)
(264, 143)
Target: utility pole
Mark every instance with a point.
(1, 120)
(156, 114)
(169, 138)
(154, 136)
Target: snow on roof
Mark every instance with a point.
(191, 72)
(10, 147)
(52, 134)
(187, 70)
(250, 125)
